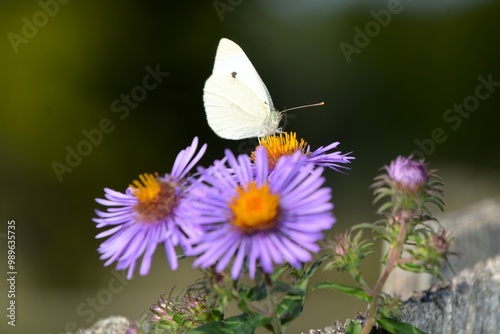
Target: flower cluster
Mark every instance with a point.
(406, 224)
(184, 310)
(250, 212)
(260, 215)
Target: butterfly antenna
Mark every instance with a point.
(306, 106)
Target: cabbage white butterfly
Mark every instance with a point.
(237, 102)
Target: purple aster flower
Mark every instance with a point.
(283, 144)
(407, 174)
(321, 157)
(254, 217)
(146, 215)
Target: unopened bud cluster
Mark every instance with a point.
(404, 190)
(178, 313)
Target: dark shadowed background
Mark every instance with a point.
(395, 76)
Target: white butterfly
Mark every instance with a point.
(237, 102)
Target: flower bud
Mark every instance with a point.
(185, 310)
(342, 244)
(408, 175)
(440, 243)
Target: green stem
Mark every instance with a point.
(392, 261)
(356, 275)
(253, 307)
(272, 306)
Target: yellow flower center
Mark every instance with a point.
(156, 198)
(280, 145)
(254, 209)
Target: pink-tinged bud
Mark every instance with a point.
(407, 174)
(342, 244)
(184, 310)
(440, 243)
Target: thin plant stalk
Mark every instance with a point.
(392, 261)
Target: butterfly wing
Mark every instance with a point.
(233, 110)
(237, 102)
(232, 60)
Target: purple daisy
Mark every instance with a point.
(259, 218)
(286, 143)
(146, 215)
(408, 174)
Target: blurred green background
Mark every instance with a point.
(62, 65)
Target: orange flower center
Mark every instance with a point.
(156, 198)
(254, 209)
(280, 145)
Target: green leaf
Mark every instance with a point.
(369, 226)
(281, 287)
(292, 304)
(394, 326)
(384, 207)
(304, 278)
(411, 267)
(279, 271)
(258, 292)
(290, 308)
(348, 290)
(354, 327)
(245, 323)
(437, 202)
